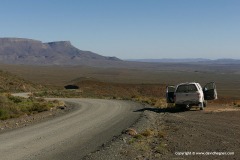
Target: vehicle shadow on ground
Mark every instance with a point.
(165, 110)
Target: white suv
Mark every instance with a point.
(191, 94)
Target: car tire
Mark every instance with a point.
(201, 105)
(204, 103)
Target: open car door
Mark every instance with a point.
(170, 94)
(210, 91)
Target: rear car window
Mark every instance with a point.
(186, 88)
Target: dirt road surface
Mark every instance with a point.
(91, 123)
(196, 134)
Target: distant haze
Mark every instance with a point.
(169, 60)
(190, 60)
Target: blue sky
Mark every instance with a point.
(130, 28)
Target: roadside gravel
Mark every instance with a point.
(213, 131)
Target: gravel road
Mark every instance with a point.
(73, 135)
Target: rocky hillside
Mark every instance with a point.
(33, 52)
(12, 83)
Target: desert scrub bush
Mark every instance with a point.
(3, 99)
(40, 94)
(59, 93)
(36, 105)
(4, 114)
(138, 136)
(147, 133)
(15, 99)
(12, 107)
(132, 140)
(135, 138)
(8, 108)
(40, 107)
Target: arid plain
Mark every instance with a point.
(161, 131)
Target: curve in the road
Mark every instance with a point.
(72, 135)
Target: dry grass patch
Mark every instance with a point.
(13, 107)
(147, 133)
(161, 134)
(148, 143)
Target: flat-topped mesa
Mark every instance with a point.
(33, 52)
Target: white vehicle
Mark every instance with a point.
(191, 94)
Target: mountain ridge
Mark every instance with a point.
(34, 52)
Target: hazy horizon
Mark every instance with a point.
(130, 29)
(199, 58)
